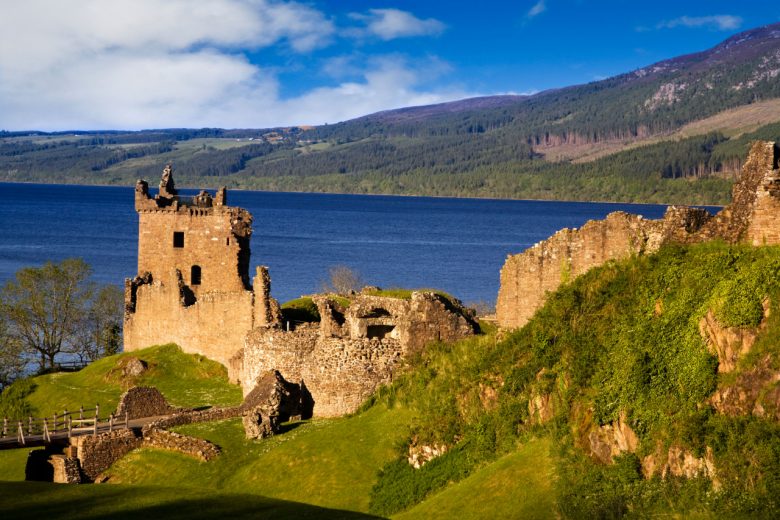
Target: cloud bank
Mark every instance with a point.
(722, 22)
(134, 64)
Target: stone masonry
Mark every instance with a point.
(193, 285)
(752, 217)
(352, 351)
(193, 289)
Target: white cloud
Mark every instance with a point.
(389, 24)
(723, 22)
(537, 9)
(173, 63)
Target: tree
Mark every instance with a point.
(56, 309)
(342, 280)
(12, 358)
(101, 331)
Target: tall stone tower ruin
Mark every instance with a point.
(193, 286)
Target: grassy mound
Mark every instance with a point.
(185, 379)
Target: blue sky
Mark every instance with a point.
(131, 64)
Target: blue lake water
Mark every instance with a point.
(457, 245)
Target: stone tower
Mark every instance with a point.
(192, 286)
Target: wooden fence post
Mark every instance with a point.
(81, 413)
(29, 425)
(5, 426)
(20, 434)
(111, 422)
(70, 427)
(45, 435)
(126, 421)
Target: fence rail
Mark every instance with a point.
(80, 422)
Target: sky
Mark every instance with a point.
(139, 64)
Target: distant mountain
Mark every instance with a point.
(696, 113)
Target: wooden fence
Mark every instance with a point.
(81, 422)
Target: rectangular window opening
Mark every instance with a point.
(178, 239)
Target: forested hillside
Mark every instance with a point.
(500, 146)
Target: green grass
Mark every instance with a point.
(326, 462)
(518, 485)
(184, 379)
(406, 294)
(300, 309)
(37, 501)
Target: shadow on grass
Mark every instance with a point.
(37, 500)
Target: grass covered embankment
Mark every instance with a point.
(621, 340)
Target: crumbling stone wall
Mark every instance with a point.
(66, 469)
(344, 358)
(193, 285)
(96, 454)
(172, 441)
(752, 217)
(143, 401)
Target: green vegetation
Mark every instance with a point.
(620, 341)
(185, 380)
(518, 485)
(601, 344)
(330, 463)
(300, 309)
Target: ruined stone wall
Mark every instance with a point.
(142, 401)
(193, 286)
(215, 239)
(96, 454)
(214, 326)
(752, 217)
(340, 373)
(764, 225)
(527, 277)
(352, 351)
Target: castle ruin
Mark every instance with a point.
(752, 217)
(193, 289)
(192, 286)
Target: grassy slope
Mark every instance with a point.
(330, 463)
(184, 379)
(518, 485)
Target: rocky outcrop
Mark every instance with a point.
(755, 392)
(612, 439)
(420, 454)
(679, 462)
(730, 343)
(752, 217)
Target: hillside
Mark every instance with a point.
(498, 146)
(609, 402)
